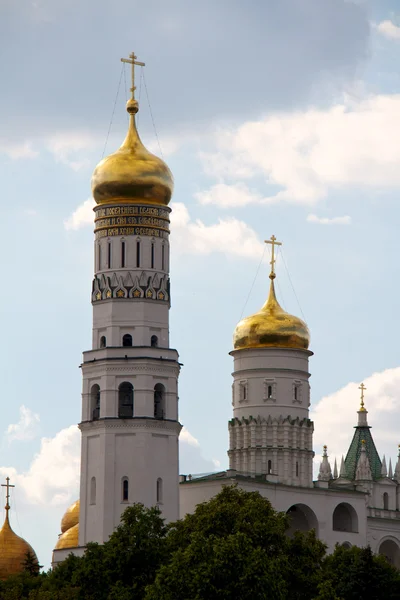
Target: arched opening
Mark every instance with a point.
(103, 341)
(269, 391)
(391, 551)
(93, 490)
(125, 400)
(386, 501)
(95, 402)
(125, 489)
(345, 518)
(346, 545)
(297, 469)
(269, 468)
(159, 401)
(123, 254)
(301, 518)
(154, 341)
(159, 490)
(127, 340)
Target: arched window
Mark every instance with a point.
(103, 341)
(93, 490)
(270, 466)
(125, 489)
(159, 401)
(297, 469)
(122, 254)
(345, 518)
(152, 255)
(163, 257)
(154, 341)
(269, 391)
(159, 492)
(386, 501)
(127, 340)
(109, 255)
(138, 253)
(99, 257)
(125, 400)
(95, 402)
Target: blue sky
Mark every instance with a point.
(276, 118)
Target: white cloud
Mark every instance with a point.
(187, 438)
(18, 151)
(53, 476)
(336, 415)
(82, 216)
(71, 149)
(303, 155)
(229, 236)
(329, 221)
(389, 30)
(226, 196)
(27, 427)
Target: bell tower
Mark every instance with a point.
(129, 424)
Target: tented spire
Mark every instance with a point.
(384, 469)
(335, 471)
(325, 472)
(363, 470)
(390, 475)
(397, 469)
(342, 472)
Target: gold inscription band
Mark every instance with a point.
(121, 211)
(113, 231)
(121, 221)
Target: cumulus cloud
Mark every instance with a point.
(303, 155)
(27, 427)
(229, 236)
(23, 150)
(336, 415)
(71, 149)
(81, 217)
(227, 196)
(329, 221)
(187, 438)
(53, 475)
(389, 30)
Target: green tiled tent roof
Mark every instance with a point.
(351, 460)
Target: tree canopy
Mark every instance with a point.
(233, 547)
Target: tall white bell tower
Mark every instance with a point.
(129, 424)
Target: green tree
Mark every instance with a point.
(235, 546)
(355, 573)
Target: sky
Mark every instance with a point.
(275, 118)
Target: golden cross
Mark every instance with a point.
(273, 243)
(132, 61)
(8, 486)
(362, 388)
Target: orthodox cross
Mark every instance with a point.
(8, 486)
(362, 388)
(132, 61)
(273, 243)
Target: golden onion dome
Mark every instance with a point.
(71, 517)
(68, 539)
(132, 174)
(13, 550)
(271, 327)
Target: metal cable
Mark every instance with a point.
(140, 93)
(254, 280)
(294, 291)
(126, 91)
(112, 116)
(151, 114)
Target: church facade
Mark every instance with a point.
(130, 425)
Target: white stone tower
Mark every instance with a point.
(271, 434)
(130, 424)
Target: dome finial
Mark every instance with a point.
(132, 106)
(362, 388)
(272, 262)
(8, 486)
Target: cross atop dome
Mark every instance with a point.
(132, 61)
(362, 388)
(273, 243)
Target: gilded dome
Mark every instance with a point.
(132, 174)
(13, 551)
(71, 517)
(271, 327)
(68, 539)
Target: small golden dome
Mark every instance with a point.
(132, 174)
(71, 517)
(271, 327)
(68, 539)
(13, 550)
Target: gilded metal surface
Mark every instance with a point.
(132, 174)
(271, 327)
(71, 517)
(13, 550)
(68, 539)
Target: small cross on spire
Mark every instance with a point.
(132, 61)
(8, 486)
(273, 243)
(362, 388)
